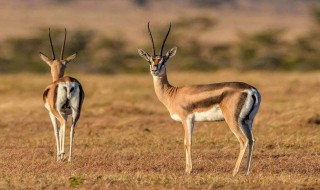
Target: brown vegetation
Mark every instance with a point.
(125, 138)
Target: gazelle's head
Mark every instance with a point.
(57, 66)
(157, 62)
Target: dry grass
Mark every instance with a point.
(126, 140)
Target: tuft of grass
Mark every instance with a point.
(75, 181)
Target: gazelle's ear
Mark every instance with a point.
(70, 58)
(171, 52)
(45, 58)
(144, 54)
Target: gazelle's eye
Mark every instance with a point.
(71, 89)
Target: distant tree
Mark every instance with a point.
(62, 1)
(215, 3)
(141, 3)
(315, 11)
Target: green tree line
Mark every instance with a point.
(263, 50)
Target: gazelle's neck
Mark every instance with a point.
(163, 88)
(55, 77)
(56, 74)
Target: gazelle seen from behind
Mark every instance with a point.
(234, 102)
(63, 97)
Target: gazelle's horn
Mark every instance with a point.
(64, 44)
(165, 39)
(53, 55)
(153, 48)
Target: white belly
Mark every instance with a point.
(213, 114)
(175, 117)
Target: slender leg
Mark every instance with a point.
(235, 127)
(246, 126)
(243, 147)
(251, 144)
(75, 117)
(56, 133)
(62, 135)
(188, 129)
(187, 155)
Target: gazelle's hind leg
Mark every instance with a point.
(75, 117)
(234, 126)
(56, 133)
(255, 100)
(62, 135)
(246, 128)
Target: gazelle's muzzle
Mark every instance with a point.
(155, 69)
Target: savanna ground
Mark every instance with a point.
(125, 138)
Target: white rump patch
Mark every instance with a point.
(247, 105)
(64, 92)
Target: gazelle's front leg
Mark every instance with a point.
(188, 125)
(56, 133)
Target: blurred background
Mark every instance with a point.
(210, 34)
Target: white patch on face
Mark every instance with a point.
(175, 117)
(160, 71)
(213, 114)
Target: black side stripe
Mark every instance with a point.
(80, 97)
(204, 103)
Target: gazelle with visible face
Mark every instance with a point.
(63, 97)
(234, 102)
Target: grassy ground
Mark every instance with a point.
(125, 138)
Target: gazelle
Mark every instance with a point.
(235, 102)
(64, 96)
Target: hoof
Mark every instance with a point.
(188, 171)
(234, 173)
(62, 157)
